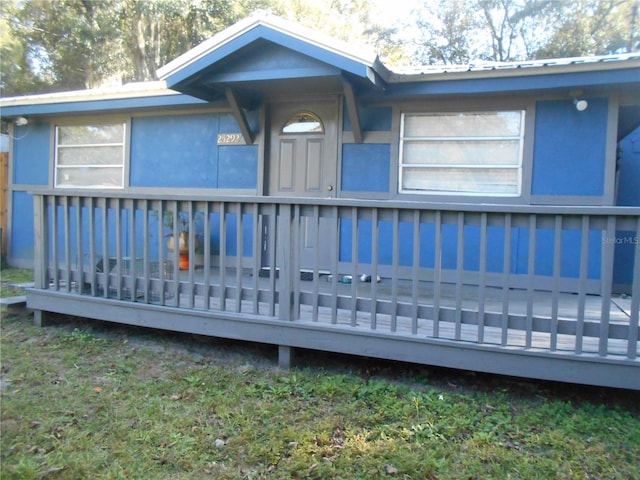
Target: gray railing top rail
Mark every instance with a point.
(595, 210)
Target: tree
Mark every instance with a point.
(459, 31)
(593, 27)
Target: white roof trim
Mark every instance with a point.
(608, 62)
(347, 50)
(130, 90)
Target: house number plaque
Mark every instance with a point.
(230, 139)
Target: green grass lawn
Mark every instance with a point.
(87, 400)
(10, 276)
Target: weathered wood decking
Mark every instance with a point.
(529, 325)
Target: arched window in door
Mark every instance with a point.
(303, 122)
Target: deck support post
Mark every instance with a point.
(285, 357)
(41, 318)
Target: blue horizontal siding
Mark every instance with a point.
(365, 167)
(570, 148)
(31, 154)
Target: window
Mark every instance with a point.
(474, 153)
(90, 156)
(303, 122)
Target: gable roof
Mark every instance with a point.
(197, 71)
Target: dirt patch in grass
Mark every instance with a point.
(86, 399)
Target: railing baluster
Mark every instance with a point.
(374, 268)
(506, 274)
(606, 275)
(355, 243)
(555, 289)
(118, 212)
(67, 243)
(54, 244)
(206, 239)
(437, 272)
(482, 276)
(273, 272)
(459, 274)
(632, 345)
(78, 273)
(582, 287)
(395, 269)
(92, 245)
(163, 263)
(335, 228)
(315, 307)
(296, 265)
(175, 255)
(41, 242)
(145, 248)
(192, 254)
(257, 242)
(415, 273)
(223, 256)
(531, 274)
(132, 271)
(106, 263)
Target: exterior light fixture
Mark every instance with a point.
(581, 104)
(20, 121)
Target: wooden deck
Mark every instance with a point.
(530, 326)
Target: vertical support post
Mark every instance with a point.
(41, 260)
(285, 356)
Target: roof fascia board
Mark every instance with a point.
(88, 106)
(493, 84)
(518, 71)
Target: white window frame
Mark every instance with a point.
(403, 139)
(122, 165)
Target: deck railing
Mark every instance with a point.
(512, 276)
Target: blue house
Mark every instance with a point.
(482, 216)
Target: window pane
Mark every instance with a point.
(90, 134)
(303, 122)
(90, 156)
(460, 180)
(499, 152)
(110, 177)
(481, 124)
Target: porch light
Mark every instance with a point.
(20, 121)
(581, 104)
